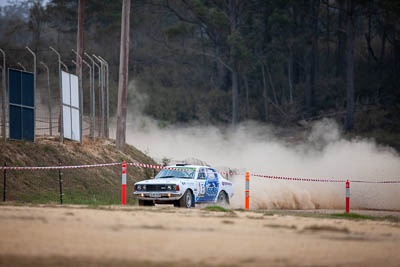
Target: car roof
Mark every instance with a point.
(188, 166)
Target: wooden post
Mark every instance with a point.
(4, 182)
(60, 181)
(123, 76)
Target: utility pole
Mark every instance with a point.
(80, 37)
(123, 76)
(79, 55)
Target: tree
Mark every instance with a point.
(213, 61)
(123, 76)
(80, 40)
(221, 22)
(350, 64)
(36, 17)
(233, 19)
(313, 60)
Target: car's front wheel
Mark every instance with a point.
(186, 200)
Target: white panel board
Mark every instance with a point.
(70, 94)
(75, 124)
(66, 89)
(67, 122)
(74, 91)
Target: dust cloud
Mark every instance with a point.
(320, 152)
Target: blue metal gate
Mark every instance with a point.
(22, 105)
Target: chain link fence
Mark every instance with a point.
(47, 106)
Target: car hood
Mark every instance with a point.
(160, 181)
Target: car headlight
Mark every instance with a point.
(169, 187)
(139, 187)
(144, 187)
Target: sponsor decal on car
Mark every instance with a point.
(203, 182)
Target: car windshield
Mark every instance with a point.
(184, 173)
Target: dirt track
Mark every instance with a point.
(75, 236)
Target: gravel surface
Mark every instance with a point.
(163, 235)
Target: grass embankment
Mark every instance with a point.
(96, 186)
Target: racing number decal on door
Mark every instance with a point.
(202, 189)
(201, 184)
(208, 185)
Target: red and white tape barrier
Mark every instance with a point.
(299, 179)
(59, 167)
(324, 180)
(152, 166)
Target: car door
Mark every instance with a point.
(212, 185)
(201, 181)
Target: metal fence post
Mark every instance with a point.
(93, 96)
(21, 66)
(80, 96)
(3, 98)
(4, 182)
(107, 98)
(60, 182)
(60, 126)
(101, 73)
(65, 66)
(49, 93)
(91, 92)
(34, 91)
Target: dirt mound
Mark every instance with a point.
(91, 185)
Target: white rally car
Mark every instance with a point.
(184, 185)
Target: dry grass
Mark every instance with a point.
(80, 186)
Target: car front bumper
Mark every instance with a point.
(163, 196)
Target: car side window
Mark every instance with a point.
(211, 175)
(201, 175)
